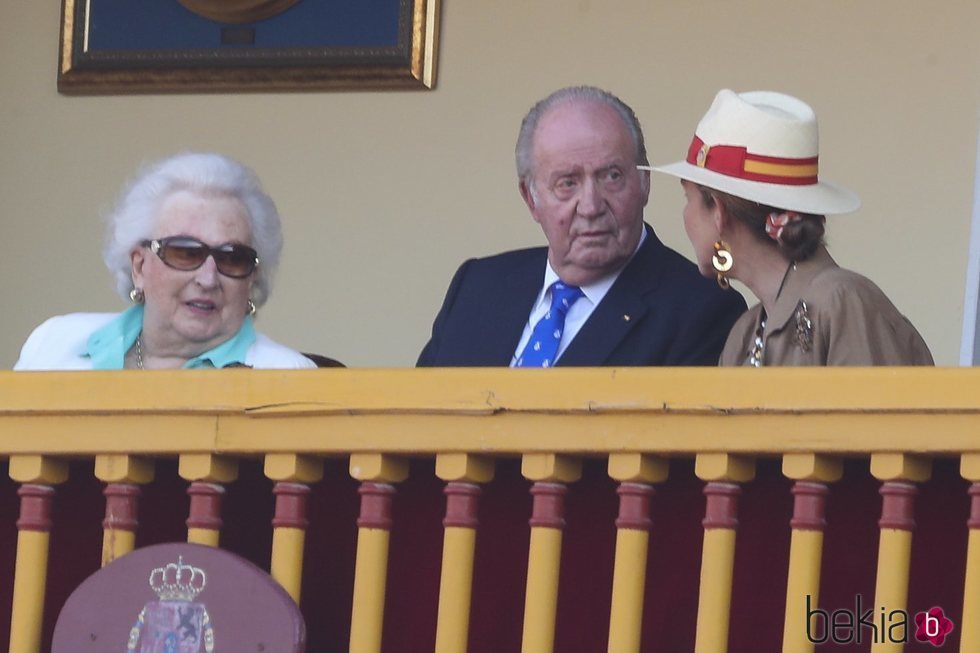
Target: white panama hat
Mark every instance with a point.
(761, 146)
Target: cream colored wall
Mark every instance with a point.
(384, 193)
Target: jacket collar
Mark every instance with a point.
(799, 276)
(522, 283)
(608, 325)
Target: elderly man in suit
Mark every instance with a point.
(605, 291)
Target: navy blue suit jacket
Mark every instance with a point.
(675, 316)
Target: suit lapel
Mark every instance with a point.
(518, 290)
(619, 311)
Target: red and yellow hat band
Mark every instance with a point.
(735, 161)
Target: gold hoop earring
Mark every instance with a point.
(136, 296)
(722, 262)
(250, 308)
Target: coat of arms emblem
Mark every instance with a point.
(175, 623)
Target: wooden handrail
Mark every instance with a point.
(338, 411)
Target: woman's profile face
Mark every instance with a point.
(192, 311)
(700, 227)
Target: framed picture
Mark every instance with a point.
(174, 46)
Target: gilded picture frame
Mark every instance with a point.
(178, 46)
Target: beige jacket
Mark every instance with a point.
(847, 320)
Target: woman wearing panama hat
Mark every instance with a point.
(755, 212)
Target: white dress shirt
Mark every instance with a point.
(577, 315)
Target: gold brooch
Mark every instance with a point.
(702, 157)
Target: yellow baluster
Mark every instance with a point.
(36, 475)
(291, 473)
(718, 552)
(207, 473)
(123, 474)
(895, 543)
(376, 472)
(463, 472)
(806, 545)
(550, 473)
(635, 472)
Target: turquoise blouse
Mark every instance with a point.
(107, 346)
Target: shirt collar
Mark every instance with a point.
(107, 346)
(596, 290)
(230, 352)
(798, 278)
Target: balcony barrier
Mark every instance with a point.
(503, 510)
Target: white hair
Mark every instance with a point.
(525, 137)
(132, 220)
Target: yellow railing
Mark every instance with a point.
(466, 419)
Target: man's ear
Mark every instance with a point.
(645, 185)
(526, 194)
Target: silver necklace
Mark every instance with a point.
(139, 351)
(759, 345)
(758, 350)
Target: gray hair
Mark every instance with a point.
(525, 138)
(138, 209)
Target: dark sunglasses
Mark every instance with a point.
(184, 253)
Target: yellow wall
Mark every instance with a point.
(383, 194)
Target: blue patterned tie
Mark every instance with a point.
(542, 348)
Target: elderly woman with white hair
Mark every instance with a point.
(193, 243)
(755, 213)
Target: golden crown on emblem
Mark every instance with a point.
(178, 581)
